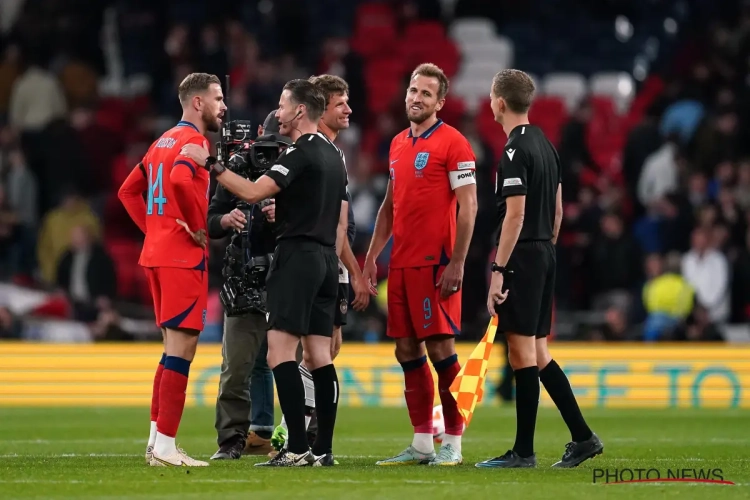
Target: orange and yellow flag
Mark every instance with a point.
(468, 387)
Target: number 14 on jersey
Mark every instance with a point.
(154, 185)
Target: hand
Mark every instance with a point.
(234, 220)
(198, 236)
(335, 343)
(362, 293)
(451, 280)
(496, 295)
(270, 211)
(370, 274)
(196, 153)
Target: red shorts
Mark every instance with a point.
(415, 308)
(180, 297)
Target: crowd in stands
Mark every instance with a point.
(655, 243)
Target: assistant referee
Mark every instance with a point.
(309, 184)
(529, 201)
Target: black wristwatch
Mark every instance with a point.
(498, 269)
(212, 163)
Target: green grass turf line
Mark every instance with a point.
(98, 453)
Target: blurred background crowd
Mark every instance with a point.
(646, 101)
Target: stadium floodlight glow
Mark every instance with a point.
(623, 29)
(670, 26)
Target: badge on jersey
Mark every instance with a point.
(420, 161)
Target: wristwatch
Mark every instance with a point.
(498, 269)
(212, 163)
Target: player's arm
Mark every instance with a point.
(461, 172)
(341, 239)
(182, 178)
(558, 215)
(383, 226)
(514, 191)
(131, 195)
(558, 202)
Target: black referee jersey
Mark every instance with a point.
(530, 166)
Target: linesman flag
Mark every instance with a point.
(468, 387)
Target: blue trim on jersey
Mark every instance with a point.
(456, 330)
(427, 133)
(184, 123)
(177, 320)
(186, 163)
(201, 266)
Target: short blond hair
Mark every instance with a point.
(195, 83)
(516, 88)
(433, 71)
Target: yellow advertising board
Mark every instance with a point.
(602, 375)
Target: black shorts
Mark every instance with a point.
(302, 287)
(528, 309)
(342, 305)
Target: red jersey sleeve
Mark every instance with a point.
(131, 195)
(461, 162)
(181, 176)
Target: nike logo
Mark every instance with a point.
(426, 325)
(511, 152)
(394, 161)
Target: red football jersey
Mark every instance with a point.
(424, 172)
(177, 189)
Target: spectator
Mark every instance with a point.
(57, 229)
(699, 328)
(614, 261)
(574, 151)
(37, 97)
(8, 222)
(87, 275)
(707, 271)
(22, 200)
(667, 297)
(660, 175)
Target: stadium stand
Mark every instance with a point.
(613, 81)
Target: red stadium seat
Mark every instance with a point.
(426, 31)
(373, 13)
(550, 114)
(384, 81)
(373, 41)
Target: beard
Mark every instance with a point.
(419, 117)
(210, 121)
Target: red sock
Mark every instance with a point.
(155, 391)
(447, 370)
(172, 395)
(420, 394)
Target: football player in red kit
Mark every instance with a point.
(431, 179)
(174, 254)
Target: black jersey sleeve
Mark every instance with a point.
(289, 165)
(514, 166)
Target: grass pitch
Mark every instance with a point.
(98, 453)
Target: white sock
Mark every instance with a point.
(423, 443)
(152, 434)
(283, 423)
(454, 441)
(164, 445)
(307, 421)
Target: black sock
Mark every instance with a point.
(527, 404)
(558, 388)
(326, 404)
(292, 401)
(264, 434)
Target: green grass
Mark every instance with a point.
(98, 453)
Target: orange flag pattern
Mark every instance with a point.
(468, 387)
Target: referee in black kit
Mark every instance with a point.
(309, 185)
(529, 201)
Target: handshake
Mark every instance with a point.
(236, 219)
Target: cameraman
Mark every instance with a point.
(245, 400)
(309, 183)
